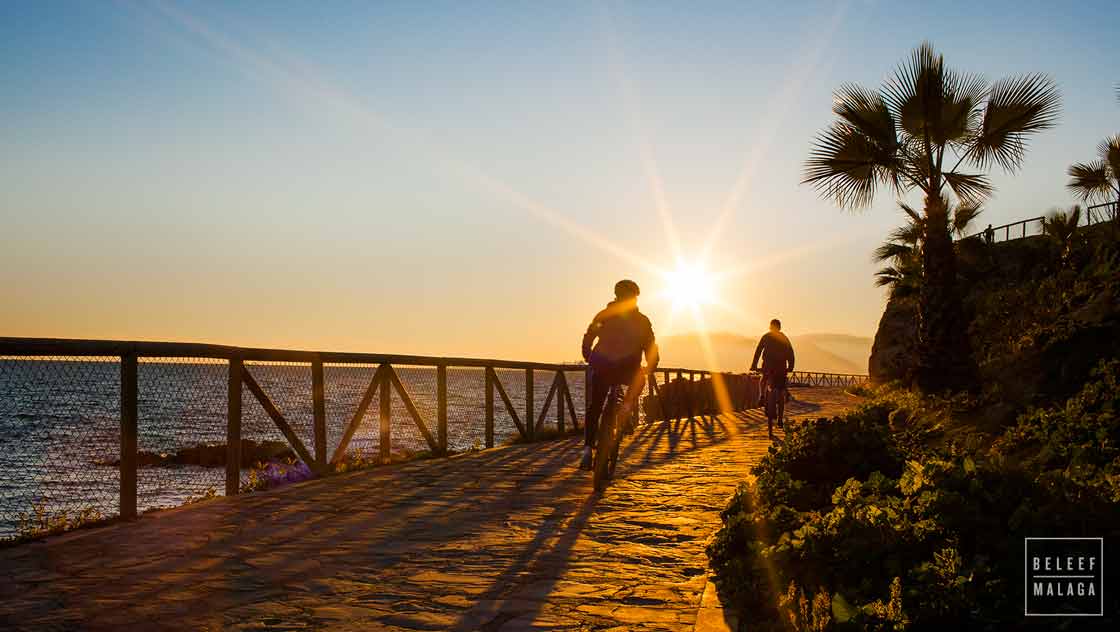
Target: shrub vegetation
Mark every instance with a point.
(909, 512)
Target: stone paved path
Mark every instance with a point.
(505, 539)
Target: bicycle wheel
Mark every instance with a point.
(604, 440)
(616, 441)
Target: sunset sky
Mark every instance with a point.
(460, 179)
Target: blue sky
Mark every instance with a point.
(469, 178)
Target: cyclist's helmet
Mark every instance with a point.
(625, 289)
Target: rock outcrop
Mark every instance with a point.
(894, 354)
(213, 455)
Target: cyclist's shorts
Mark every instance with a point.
(622, 373)
(776, 379)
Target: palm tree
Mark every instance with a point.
(1061, 227)
(899, 137)
(1099, 179)
(902, 251)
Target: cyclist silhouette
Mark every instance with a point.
(777, 359)
(613, 346)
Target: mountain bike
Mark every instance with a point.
(616, 422)
(774, 403)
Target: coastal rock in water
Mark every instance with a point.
(213, 455)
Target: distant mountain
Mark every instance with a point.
(854, 349)
(830, 353)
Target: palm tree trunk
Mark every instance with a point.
(944, 352)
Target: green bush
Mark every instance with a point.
(819, 455)
(894, 538)
(1085, 431)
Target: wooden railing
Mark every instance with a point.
(385, 381)
(1101, 213)
(1096, 214)
(810, 378)
(246, 366)
(671, 393)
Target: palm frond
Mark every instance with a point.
(1089, 180)
(887, 276)
(914, 92)
(963, 216)
(1016, 108)
(1109, 151)
(963, 110)
(912, 233)
(969, 187)
(892, 250)
(866, 111)
(846, 165)
(1062, 225)
(915, 216)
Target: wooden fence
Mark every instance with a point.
(670, 393)
(1096, 214)
(810, 378)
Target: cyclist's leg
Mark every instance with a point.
(621, 417)
(599, 391)
(762, 392)
(631, 400)
(770, 400)
(781, 388)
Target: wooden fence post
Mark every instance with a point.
(666, 409)
(530, 413)
(128, 436)
(441, 408)
(688, 392)
(319, 410)
(233, 428)
(561, 389)
(489, 407)
(385, 414)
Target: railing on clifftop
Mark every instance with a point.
(1096, 214)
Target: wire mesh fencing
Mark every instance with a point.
(62, 421)
(59, 440)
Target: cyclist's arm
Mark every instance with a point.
(652, 353)
(791, 358)
(589, 338)
(757, 353)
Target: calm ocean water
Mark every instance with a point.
(59, 419)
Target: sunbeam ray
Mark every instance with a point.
(777, 111)
(314, 90)
(636, 123)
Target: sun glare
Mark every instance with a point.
(690, 285)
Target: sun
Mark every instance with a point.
(690, 285)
